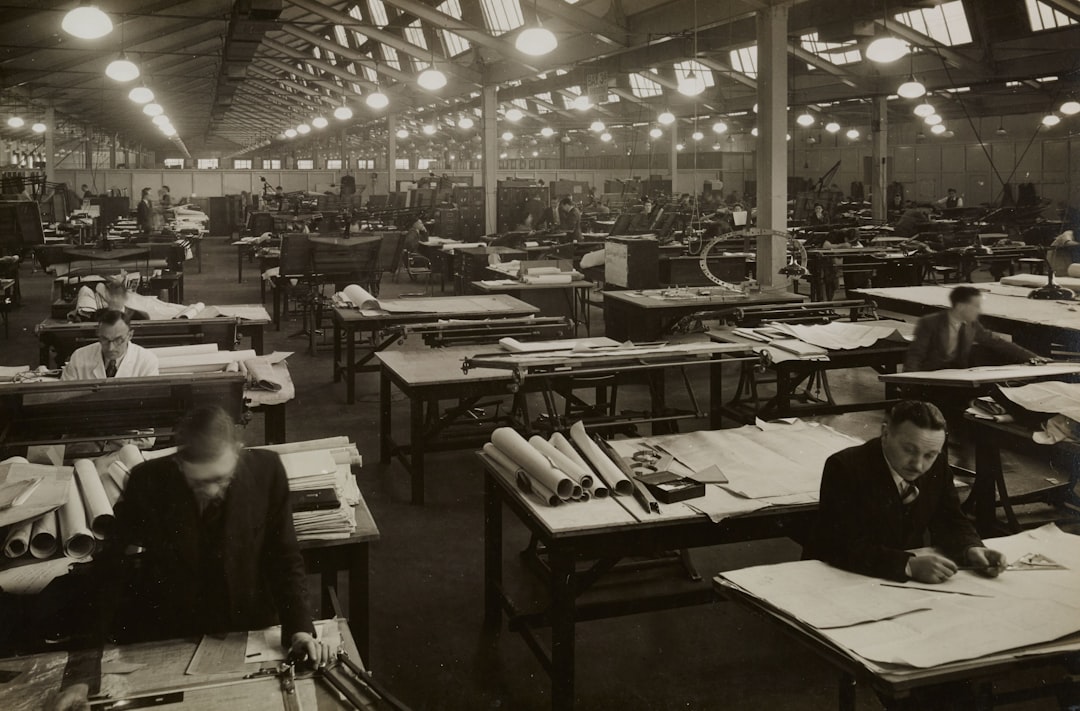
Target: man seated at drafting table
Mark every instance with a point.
(219, 553)
(881, 498)
(947, 339)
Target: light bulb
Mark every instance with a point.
(86, 22)
(161, 120)
(343, 113)
(502, 156)
(719, 127)
(805, 120)
(431, 79)
(319, 122)
(938, 129)
(141, 95)
(754, 131)
(1051, 120)
(508, 136)
(466, 123)
(717, 147)
(1070, 108)
(290, 133)
(853, 133)
(536, 41)
(303, 129)
(402, 133)
(886, 49)
(911, 89)
(15, 122)
(122, 70)
(597, 126)
(655, 133)
(153, 110)
(168, 131)
(582, 103)
(932, 120)
(38, 127)
(605, 137)
(832, 127)
(377, 100)
(697, 135)
(514, 115)
(925, 109)
(789, 136)
(679, 146)
(692, 84)
(547, 132)
(667, 118)
(429, 129)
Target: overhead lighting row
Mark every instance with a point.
(17, 122)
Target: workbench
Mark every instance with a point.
(643, 316)
(570, 300)
(382, 325)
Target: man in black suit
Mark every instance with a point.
(219, 550)
(946, 339)
(881, 498)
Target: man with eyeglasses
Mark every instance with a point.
(114, 355)
(880, 499)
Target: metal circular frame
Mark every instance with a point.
(799, 259)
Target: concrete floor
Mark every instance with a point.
(427, 604)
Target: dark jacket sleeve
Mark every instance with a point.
(1006, 350)
(915, 359)
(950, 531)
(843, 533)
(284, 562)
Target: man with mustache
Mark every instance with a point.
(881, 499)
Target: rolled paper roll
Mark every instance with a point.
(16, 460)
(43, 539)
(561, 443)
(112, 491)
(127, 458)
(99, 512)
(536, 465)
(527, 485)
(599, 490)
(582, 475)
(17, 541)
(576, 492)
(360, 297)
(607, 470)
(77, 540)
(501, 459)
(585, 495)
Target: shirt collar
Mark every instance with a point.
(899, 482)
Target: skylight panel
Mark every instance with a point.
(379, 16)
(358, 36)
(1043, 17)
(414, 33)
(683, 69)
(543, 108)
(643, 87)
(838, 53)
(946, 24)
(369, 73)
(455, 43)
(613, 98)
(744, 60)
(502, 15)
(391, 56)
(571, 93)
(340, 35)
(520, 103)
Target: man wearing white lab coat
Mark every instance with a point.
(113, 356)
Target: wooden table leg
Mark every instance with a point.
(416, 449)
(988, 468)
(492, 555)
(337, 352)
(350, 364)
(562, 629)
(359, 600)
(716, 394)
(384, 416)
(240, 264)
(274, 423)
(847, 687)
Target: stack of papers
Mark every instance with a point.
(328, 466)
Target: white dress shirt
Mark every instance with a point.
(86, 363)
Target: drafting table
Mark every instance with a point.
(428, 377)
(646, 316)
(570, 300)
(62, 338)
(792, 372)
(383, 327)
(989, 490)
(161, 678)
(981, 377)
(1033, 324)
(93, 410)
(601, 532)
(900, 687)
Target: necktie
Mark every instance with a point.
(908, 493)
(958, 355)
(110, 369)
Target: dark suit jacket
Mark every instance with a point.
(862, 526)
(142, 214)
(264, 571)
(929, 349)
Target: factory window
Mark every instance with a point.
(305, 164)
(333, 164)
(838, 53)
(1044, 17)
(206, 163)
(455, 43)
(271, 164)
(502, 15)
(745, 60)
(946, 23)
(242, 164)
(643, 87)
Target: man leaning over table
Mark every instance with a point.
(884, 497)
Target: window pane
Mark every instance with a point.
(379, 16)
(333, 164)
(414, 33)
(1043, 17)
(838, 53)
(305, 164)
(502, 15)
(207, 163)
(401, 163)
(947, 23)
(745, 60)
(643, 87)
(683, 69)
(242, 164)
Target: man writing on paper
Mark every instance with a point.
(947, 339)
(881, 498)
(114, 355)
(219, 553)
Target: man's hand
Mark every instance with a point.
(73, 698)
(988, 562)
(930, 568)
(315, 651)
(1038, 360)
